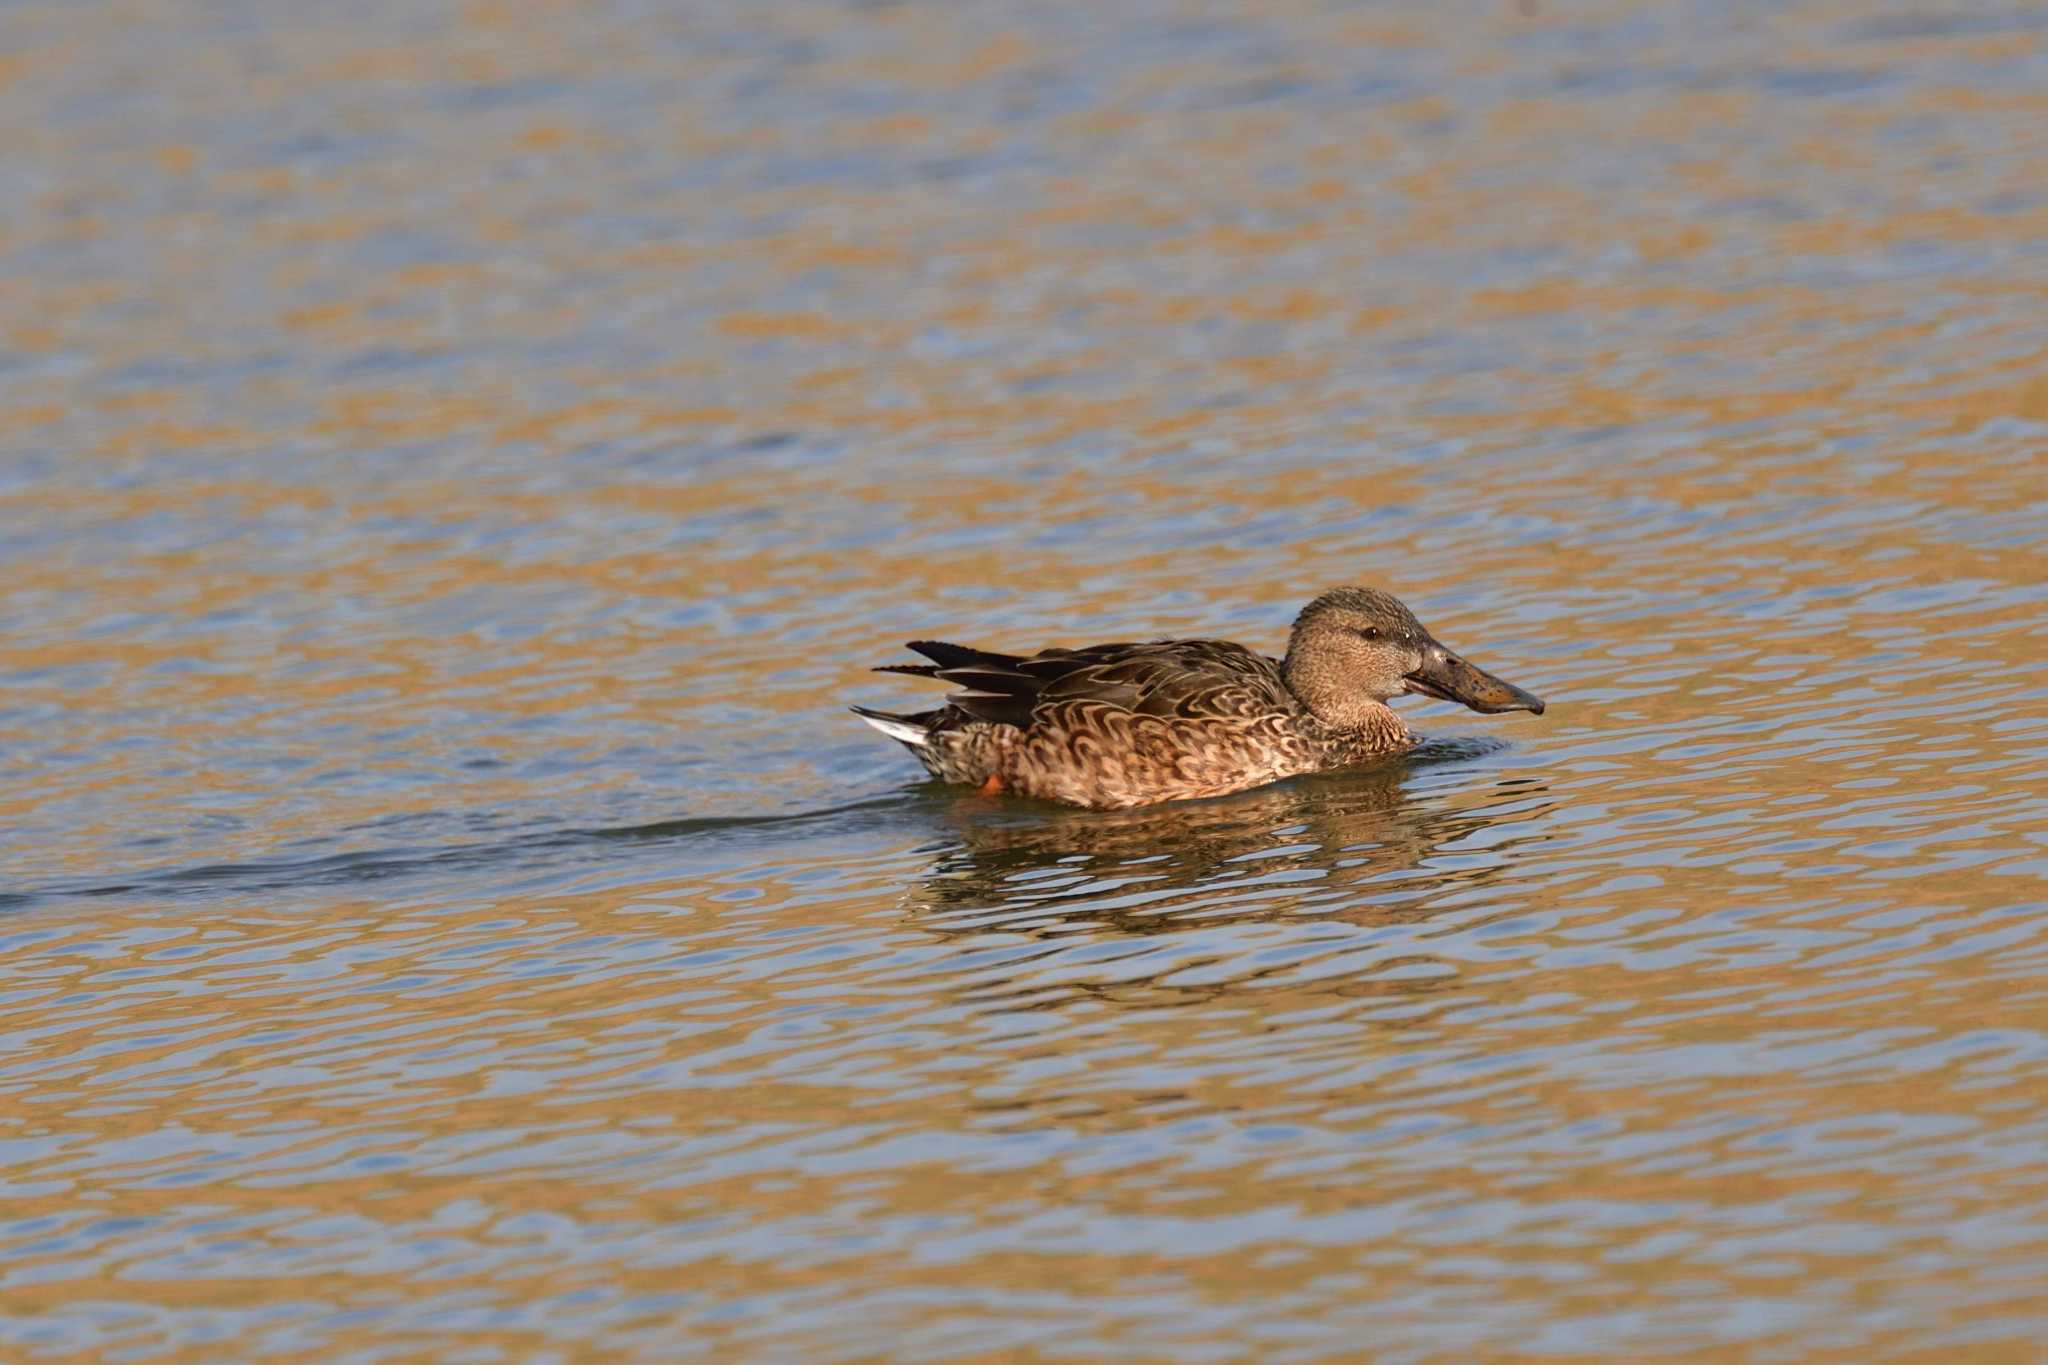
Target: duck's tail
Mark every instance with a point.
(952, 747)
(914, 731)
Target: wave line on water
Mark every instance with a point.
(380, 864)
(383, 864)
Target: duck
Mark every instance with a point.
(1111, 726)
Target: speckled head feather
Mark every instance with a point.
(1348, 653)
(1368, 603)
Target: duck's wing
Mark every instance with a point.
(1193, 679)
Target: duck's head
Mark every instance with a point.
(1354, 648)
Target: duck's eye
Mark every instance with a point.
(1371, 632)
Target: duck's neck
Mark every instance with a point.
(1334, 698)
(1370, 728)
(1340, 714)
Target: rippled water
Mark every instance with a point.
(460, 462)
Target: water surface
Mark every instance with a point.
(460, 461)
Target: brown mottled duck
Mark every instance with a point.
(1133, 724)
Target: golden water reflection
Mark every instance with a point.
(461, 463)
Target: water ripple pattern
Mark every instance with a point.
(462, 459)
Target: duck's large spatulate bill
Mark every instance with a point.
(1443, 674)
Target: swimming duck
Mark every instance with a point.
(1133, 724)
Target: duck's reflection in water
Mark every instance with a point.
(1356, 852)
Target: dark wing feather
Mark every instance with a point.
(1194, 679)
(960, 656)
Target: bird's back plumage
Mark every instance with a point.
(1114, 724)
